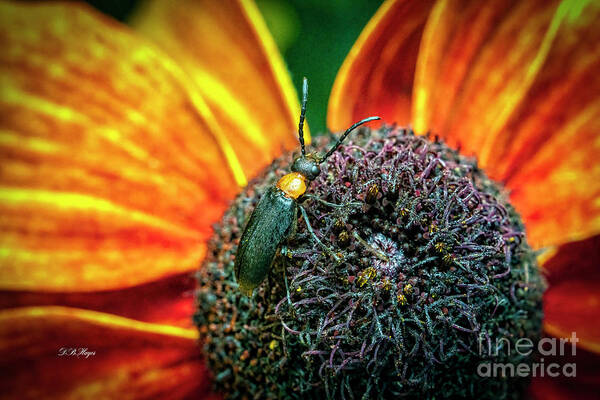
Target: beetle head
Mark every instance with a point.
(307, 165)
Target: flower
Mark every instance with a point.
(117, 158)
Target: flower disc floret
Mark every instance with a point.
(431, 266)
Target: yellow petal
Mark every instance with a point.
(111, 171)
(226, 49)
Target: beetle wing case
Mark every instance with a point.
(266, 229)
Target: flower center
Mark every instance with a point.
(428, 274)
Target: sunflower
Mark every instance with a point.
(120, 148)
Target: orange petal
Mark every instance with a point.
(453, 37)
(112, 170)
(517, 100)
(507, 48)
(556, 145)
(377, 76)
(126, 360)
(169, 301)
(565, 90)
(557, 189)
(230, 56)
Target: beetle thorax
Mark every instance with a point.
(293, 184)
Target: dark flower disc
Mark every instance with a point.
(428, 275)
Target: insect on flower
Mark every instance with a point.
(275, 216)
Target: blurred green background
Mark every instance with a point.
(314, 37)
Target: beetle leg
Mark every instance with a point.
(333, 205)
(294, 226)
(287, 288)
(284, 250)
(312, 233)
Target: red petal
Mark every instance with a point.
(112, 170)
(574, 306)
(228, 52)
(377, 75)
(572, 301)
(132, 360)
(553, 389)
(585, 385)
(168, 301)
(574, 261)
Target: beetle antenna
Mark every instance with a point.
(341, 139)
(302, 114)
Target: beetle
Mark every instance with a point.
(271, 221)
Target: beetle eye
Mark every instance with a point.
(315, 170)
